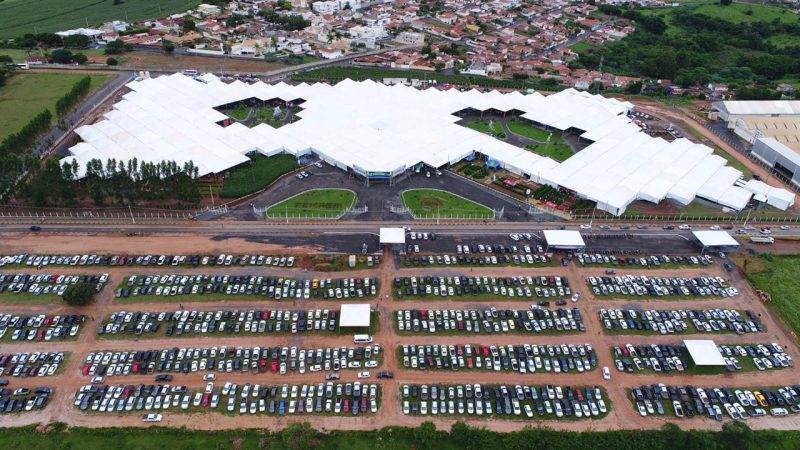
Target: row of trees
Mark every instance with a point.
(68, 100)
(121, 182)
(22, 139)
(47, 40)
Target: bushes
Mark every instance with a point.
(65, 103)
(475, 171)
(79, 294)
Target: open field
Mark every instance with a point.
(436, 203)
(28, 94)
(259, 173)
(747, 12)
(314, 203)
(18, 17)
(779, 275)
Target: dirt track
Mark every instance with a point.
(622, 414)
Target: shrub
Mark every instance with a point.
(79, 294)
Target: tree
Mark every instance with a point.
(188, 25)
(168, 46)
(736, 435)
(61, 56)
(111, 61)
(725, 2)
(116, 47)
(79, 294)
(80, 58)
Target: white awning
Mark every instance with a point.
(714, 238)
(704, 352)
(564, 239)
(354, 315)
(393, 236)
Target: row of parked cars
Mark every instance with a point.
(33, 260)
(592, 259)
(673, 321)
(546, 401)
(40, 327)
(30, 364)
(275, 288)
(463, 286)
(46, 284)
(635, 285)
(525, 358)
(516, 259)
(221, 321)
(328, 398)
(23, 399)
(675, 358)
(490, 321)
(277, 360)
(716, 402)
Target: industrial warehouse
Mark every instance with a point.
(381, 133)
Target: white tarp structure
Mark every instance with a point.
(373, 128)
(392, 235)
(354, 315)
(715, 238)
(778, 197)
(704, 352)
(564, 239)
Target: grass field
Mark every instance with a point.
(551, 144)
(531, 132)
(259, 173)
(780, 276)
(323, 203)
(490, 128)
(18, 17)
(434, 203)
(28, 94)
(738, 13)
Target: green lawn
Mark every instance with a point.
(18, 17)
(779, 275)
(532, 132)
(553, 151)
(434, 203)
(28, 94)
(491, 128)
(257, 174)
(580, 46)
(318, 203)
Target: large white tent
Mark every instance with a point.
(704, 352)
(369, 128)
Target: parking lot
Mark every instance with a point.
(494, 331)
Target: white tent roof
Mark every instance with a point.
(393, 236)
(564, 238)
(371, 127)
(354, 315)
(704, 352)
(715, 238)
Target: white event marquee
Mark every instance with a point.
(373, 128)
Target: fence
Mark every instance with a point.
(261, 212)
(96, 213)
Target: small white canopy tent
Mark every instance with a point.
(564, 239)
(354, 315)
(704, 352)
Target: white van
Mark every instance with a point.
(362, 338)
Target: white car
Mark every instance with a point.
(151, 418)
(364, 374)
(210, 377)
(606, 373)
(586, 226)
